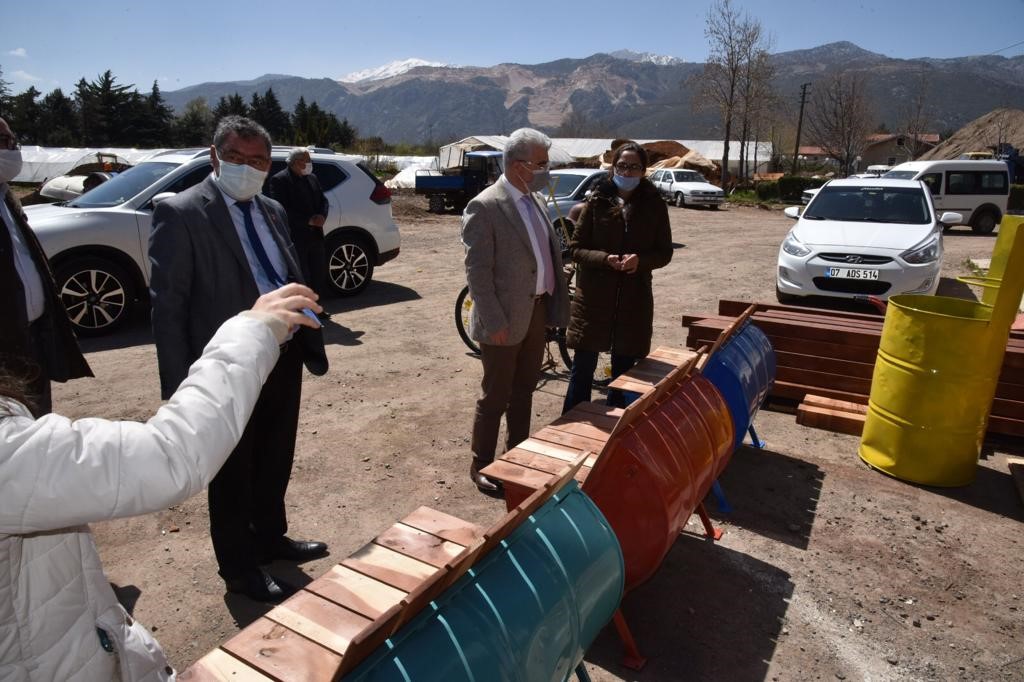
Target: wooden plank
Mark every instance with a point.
(835, 382)
(832, 404)
(282, 654)
(516, 474)
(356, 591)
(388, 566)
(549, 449)
(859, 370)
(792, 391)
(811, 331)
(445, 526)
(567, 424)
(220, 666)
(598, 414)
(571, 440)
(813, 348)
(1016, 465)
(623, 383)
(676, 356)
(1005, 426)
(733, 308)
(550, 465)
(418, 544)
(830, 420)
(366, 642)
(1008, 408)
(317, 619)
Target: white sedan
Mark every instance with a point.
(861, 237)
(686, 188)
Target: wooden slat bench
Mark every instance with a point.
(332, 624)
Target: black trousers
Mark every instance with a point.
(246, 498)
(312, 253)
(38, 380)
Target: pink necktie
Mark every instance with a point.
(543, 244)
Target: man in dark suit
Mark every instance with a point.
(515, 276)
(298, 190)
(214, 249)
(37, 342)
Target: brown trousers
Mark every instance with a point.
(510, 376)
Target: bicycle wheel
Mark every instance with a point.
(463, 309)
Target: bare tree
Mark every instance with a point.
(840, 118)
(914, 117)
(758, 98)
(732, 36)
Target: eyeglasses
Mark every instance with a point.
(628, 167)
(260, 163)
(9, 142)
(538, 164)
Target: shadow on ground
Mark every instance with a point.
(709, 613)
(770, 494)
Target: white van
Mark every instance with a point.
(977, 190)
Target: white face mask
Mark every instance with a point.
(308, 168)
(239, 181)
(10, 164)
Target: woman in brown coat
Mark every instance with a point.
(622, 235)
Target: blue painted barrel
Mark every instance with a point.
(527, 611)
(743, 370)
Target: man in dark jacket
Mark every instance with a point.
(298, 190)
(36, 338)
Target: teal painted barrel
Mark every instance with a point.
(743, 370)
(527, 611)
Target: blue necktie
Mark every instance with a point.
(257, 245)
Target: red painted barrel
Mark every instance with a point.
(653, 475)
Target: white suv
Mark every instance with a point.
(686, 188)
(97, 244)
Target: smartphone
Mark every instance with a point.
(311, 315)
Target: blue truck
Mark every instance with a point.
(450, 189)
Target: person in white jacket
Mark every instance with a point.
(59, 618)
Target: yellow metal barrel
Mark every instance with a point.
(935, 376)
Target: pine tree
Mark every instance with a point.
(109, 112)
(300, 122)
(194, 128)
(23, 116)
(158, 119)
(273, 117)
(59, 120)
(228, 106)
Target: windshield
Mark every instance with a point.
(900, 175)
(124, 186)
(689, 176)
(566, 183)
(870, 204)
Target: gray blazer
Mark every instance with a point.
(501, 269)
(200, 277)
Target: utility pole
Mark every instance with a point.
(799, 126)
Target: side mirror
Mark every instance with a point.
(792, 212)
(162, 196)
(950, 218)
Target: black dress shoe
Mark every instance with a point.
(295, 550)
(258, 585)
(483, 483)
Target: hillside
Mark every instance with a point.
(632, 95)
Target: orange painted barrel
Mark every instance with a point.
(654, 474)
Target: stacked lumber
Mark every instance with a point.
(831, 354)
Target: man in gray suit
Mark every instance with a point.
(214, 249)
(516, 281)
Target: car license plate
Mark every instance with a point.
(851, 273)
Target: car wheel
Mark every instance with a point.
(97, 294)
(785, 298)
(679, 201)
(435, 203)
(349, 265)
(983, 222)
(713, 207)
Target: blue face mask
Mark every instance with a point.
(626, 183)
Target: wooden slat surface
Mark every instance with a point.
(839, 421)
(550, 465)
(445, 526)
(282, 654)
(220, 666)
(389, 566)
(571, 440)
(418, 544)
(516, 474)
(322, 621)
(356, 591)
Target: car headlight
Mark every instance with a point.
(794, 247)
(925, 252)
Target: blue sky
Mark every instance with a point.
(185, 42)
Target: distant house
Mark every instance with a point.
(890, 149)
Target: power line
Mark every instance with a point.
(1003, 49)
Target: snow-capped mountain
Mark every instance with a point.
(659, 59)
(387, 71)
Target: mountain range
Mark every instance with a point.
(622, 94)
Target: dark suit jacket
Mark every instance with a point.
(200, 277)
(302, 198)
(60, 348)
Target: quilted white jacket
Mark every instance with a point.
(58, 475)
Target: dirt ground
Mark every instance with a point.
(827, 569)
